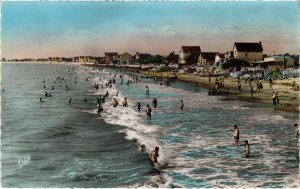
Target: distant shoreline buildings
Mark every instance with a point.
(248, 52)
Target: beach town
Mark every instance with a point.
(245, 72)
(149, 94)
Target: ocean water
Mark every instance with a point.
(57, 144)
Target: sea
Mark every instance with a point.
(63, 143)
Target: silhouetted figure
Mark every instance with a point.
(70, 100)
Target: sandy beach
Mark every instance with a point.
(289, 98)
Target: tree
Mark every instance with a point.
(237, 63)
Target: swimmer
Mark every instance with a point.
(147, 90)
(46, 94)
(44, 86)
(181, 107)
(70, 100)
(247, 148)
(154, 154)
(236, 135)
(52, 87)
(154, 102)
(115, 103)
(148, 112)
(41, 100)
(100, 109)
(139, 106)
(296, 130)
(50, 95)
(125, 104)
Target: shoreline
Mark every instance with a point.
(289, 99)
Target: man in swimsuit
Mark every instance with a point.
(125, 104)
(154, 102)
(236, 135)
(148, 112)
(181, 107)
(296, 130)
(154, 154)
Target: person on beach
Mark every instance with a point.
(251, 91)
(236, 135)
(277, 100)
(125, 104)
(247, 149)
(274, 99)
(296, 130)
(147, 90)
(239, 86)
(271, 83)
(154, 102)
(154, 155)
(148, 112)
(41, 100)
(181, 107)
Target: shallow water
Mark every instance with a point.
(71, 145)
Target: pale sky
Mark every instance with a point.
(43, 29)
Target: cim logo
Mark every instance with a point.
(25, 160)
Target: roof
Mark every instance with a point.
(144, 56)
(208, 55)
(191, 49)
(111, 53)
(126, 54)
(248, 47)
(221, 55)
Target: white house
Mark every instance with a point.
(250, 52)
(219, 59)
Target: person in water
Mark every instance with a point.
(115, 103)
(296, 130)
(181, 107)
(247, 148)
(139, 106)
(154, 102)
(70, 100)
(148, 112)
(125, 104)
(154, 155)
(236, 135)
(41, 100)
(147, 90)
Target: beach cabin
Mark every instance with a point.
(207, 59)
(250, 52)
(189, 54)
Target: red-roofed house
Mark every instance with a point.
(189, 54)
(250, 52)
(206, 58)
